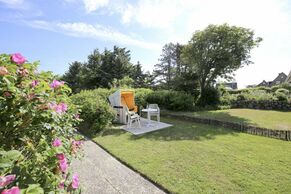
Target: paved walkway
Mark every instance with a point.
(101, 173)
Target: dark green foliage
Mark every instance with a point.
(281, 96)
(141, 95)
(171, 100)
(95, 110)
(218, 51)
(104, 69)
(283, 91)
(210, 97)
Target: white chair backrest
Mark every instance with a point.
(153, 106)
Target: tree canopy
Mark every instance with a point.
(218, 51)
(104, 70)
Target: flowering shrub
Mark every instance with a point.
(37, 130)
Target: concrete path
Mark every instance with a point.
(101, 173)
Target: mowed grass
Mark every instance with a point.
(196, 158)
(262, 118)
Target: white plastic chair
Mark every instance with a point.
(154, 113)
(132, 116)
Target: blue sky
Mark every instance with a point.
(58, 32)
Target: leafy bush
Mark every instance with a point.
(281, 96)
(171, 100)
(211, 97)
(37, 131)
(283, 91)
(96, 112)
(141, 95)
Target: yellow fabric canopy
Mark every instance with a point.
(127, 99)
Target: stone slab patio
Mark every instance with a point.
(146, 126)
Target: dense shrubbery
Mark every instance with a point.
(37, 131)
(95, 110)
(141, 96)
(259, 94)
(171, 100)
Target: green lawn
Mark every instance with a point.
(197, 158)
(261, 118)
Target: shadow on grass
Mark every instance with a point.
(222, 116)
(185, 130)
(181, 130)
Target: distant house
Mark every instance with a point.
(281, 78)
(229, 85)
(264, 83)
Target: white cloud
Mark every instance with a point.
(12, 2)
(177, 20)
(151, 13)
(93, 5)
(79, 29)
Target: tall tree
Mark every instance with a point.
(74, 76)
(165, 70)
(138, 76)
(218, 51)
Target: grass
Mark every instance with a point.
(196, 158)
(262, 118)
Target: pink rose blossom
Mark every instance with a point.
(3, 71)
(61, 185)
(59, 108)
(34, 83)
(63, 106)
(56, 83)
(63, 165)
(13, 190)
(6, 180)
(77, 116)
(61, 156)
(75, 182)
(18, 58)
(57, 142)
(76, 143)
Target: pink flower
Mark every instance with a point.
(18, 58)
(63, 107)
(57, 142)
(3, 71)
(77, 116)
(13, 190)
(6, 180)
(63, 165)
(61, 185)
(56, 83)
(34, 83)
(59, 108)
(61, 156)
(76, 143)
(75, 182)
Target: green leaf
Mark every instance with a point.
(8, 158)
(33, 189)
